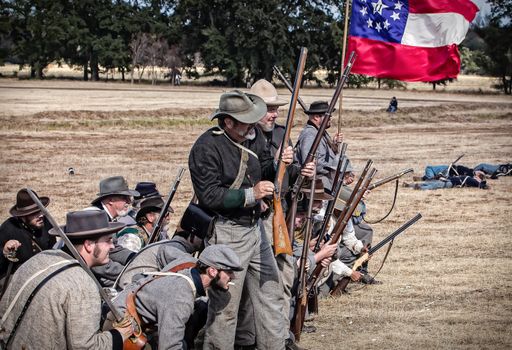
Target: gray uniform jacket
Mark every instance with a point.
(167, 301)
(151, 258)
(326, 161)
(64, 314)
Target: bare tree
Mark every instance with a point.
(139, 48)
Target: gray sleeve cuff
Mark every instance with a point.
(249, 197)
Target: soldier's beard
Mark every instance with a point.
(215, 284)
(266, 127)
(249, 135)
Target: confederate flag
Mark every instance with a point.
(410, 40)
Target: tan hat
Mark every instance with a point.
(267, 92)
(87, 224)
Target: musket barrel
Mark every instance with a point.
(390, 178)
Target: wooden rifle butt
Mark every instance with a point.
(281, 237)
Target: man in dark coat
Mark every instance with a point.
(230, 171)
(24, 234)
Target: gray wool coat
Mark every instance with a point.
(151, 258)
(326, 160)
(64, 314)
(167, 302)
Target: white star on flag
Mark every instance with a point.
(378, 7)
(378, 27)
(395, 16)
(398, 5)
(386, 24)
(364, 11)
(370, 23)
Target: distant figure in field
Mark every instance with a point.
(393, 105)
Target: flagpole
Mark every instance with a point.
(343, 52)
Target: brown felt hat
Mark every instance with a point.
(320, 194)
(246, 108)
(88, 224)
(25, 205)
(115, 185)
(268, 93)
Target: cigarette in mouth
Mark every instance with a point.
(231, 283)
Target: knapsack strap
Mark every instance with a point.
(31, 296)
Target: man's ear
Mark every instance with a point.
(212, 272)
(230, 123)
(88, 245)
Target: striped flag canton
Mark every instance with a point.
(382, 20)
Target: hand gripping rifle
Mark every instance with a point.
(312, 152)
(346, 215)
(137, 340)
(281, 237)
(158, 226)
(342, 284)
(302, 296)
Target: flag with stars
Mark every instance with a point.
(409, 40)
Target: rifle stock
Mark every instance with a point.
(158, 226)
(343, 283)
(280, 234)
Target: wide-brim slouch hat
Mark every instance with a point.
(88, 224)
(245, 108)
(25, 205)
(115, 185)
(268, 93)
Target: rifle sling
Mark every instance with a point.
(390, 210)
(31, 296)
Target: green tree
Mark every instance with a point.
(498, 38)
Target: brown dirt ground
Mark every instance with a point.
(447, 282)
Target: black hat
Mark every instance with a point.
(146, 189)
(88, 224)
(25, 205)
(151, 204)
(318, 107)
(115, 185)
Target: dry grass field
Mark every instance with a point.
(448, 280)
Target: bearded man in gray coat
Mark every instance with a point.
(52, 303)
(167, 299)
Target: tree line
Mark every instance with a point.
(238, 40)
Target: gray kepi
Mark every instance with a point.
(246, 108)
(115, 185)
(221, 257)
(88, 224)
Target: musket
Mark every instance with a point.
(346, 214)
(330, 207)
(281, 237)
(288, 86)
(159, 224)
(75, 254)
(452, 164)
(390, 178)
(312, 152)
(133, 340)
(342, 284)
(302, 295)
